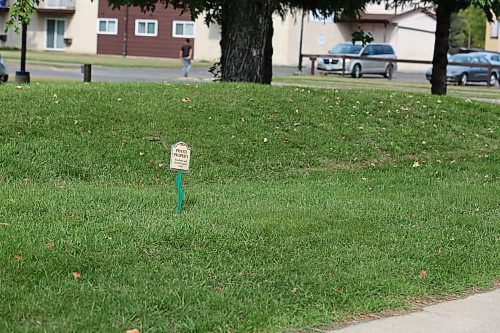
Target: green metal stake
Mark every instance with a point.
(180, 191)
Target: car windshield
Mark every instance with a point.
(346, 49)
(460, 58)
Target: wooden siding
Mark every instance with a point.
(162, 45)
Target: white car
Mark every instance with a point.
(358, 67)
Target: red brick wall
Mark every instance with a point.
(162, 45)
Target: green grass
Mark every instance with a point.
(331, 217)
(339, 82)
(68, 59)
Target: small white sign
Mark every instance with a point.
(179, 156)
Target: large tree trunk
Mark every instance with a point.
(246, 43)
(440, 58)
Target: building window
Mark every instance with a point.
(494, 29)
(107, 26)
(54, 34)
(146, 27)
(183, 29)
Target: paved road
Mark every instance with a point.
(475, 314)
(109, 74)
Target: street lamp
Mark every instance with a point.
(22, 76)
(300, 41)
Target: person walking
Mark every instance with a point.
(186, 55)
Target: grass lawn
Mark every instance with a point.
(338, 82)
(64, 59)
(304, 207)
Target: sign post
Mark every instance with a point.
(180, 155)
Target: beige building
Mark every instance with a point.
(492, 40)
(72, 26)
(58, 25)
(409, 30)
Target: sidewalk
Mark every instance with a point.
(475, 314)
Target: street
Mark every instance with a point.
(134, 74)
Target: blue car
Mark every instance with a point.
(463, 74)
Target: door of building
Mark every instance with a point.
(55, 34)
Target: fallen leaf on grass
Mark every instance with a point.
(218, 289)
(76, 275)
(17, 258)
(4, 224)
(135, 330)
(416, 164)
(422, 274)
(186, 100)
(50, 244)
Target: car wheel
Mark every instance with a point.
(4, 78)
(463, 79)
(493, 80)
(388, 70)
(356, 71)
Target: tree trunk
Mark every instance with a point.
(440, 58)
(246, 43)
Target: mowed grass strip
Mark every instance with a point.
(477, 90)
(353, 204)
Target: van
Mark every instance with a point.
(358, 67)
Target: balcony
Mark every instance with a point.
(56, 6)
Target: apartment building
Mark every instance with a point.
(492, 40)
(93, 27)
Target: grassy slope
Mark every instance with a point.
(327, 219)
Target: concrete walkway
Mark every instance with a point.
(475, 314)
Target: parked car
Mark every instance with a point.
(493, 58)
(358, 67)
(3, 72)
(462, 74)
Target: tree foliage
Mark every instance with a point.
(19, 13)
(213, 9)
(474, 22)
(458, 38)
